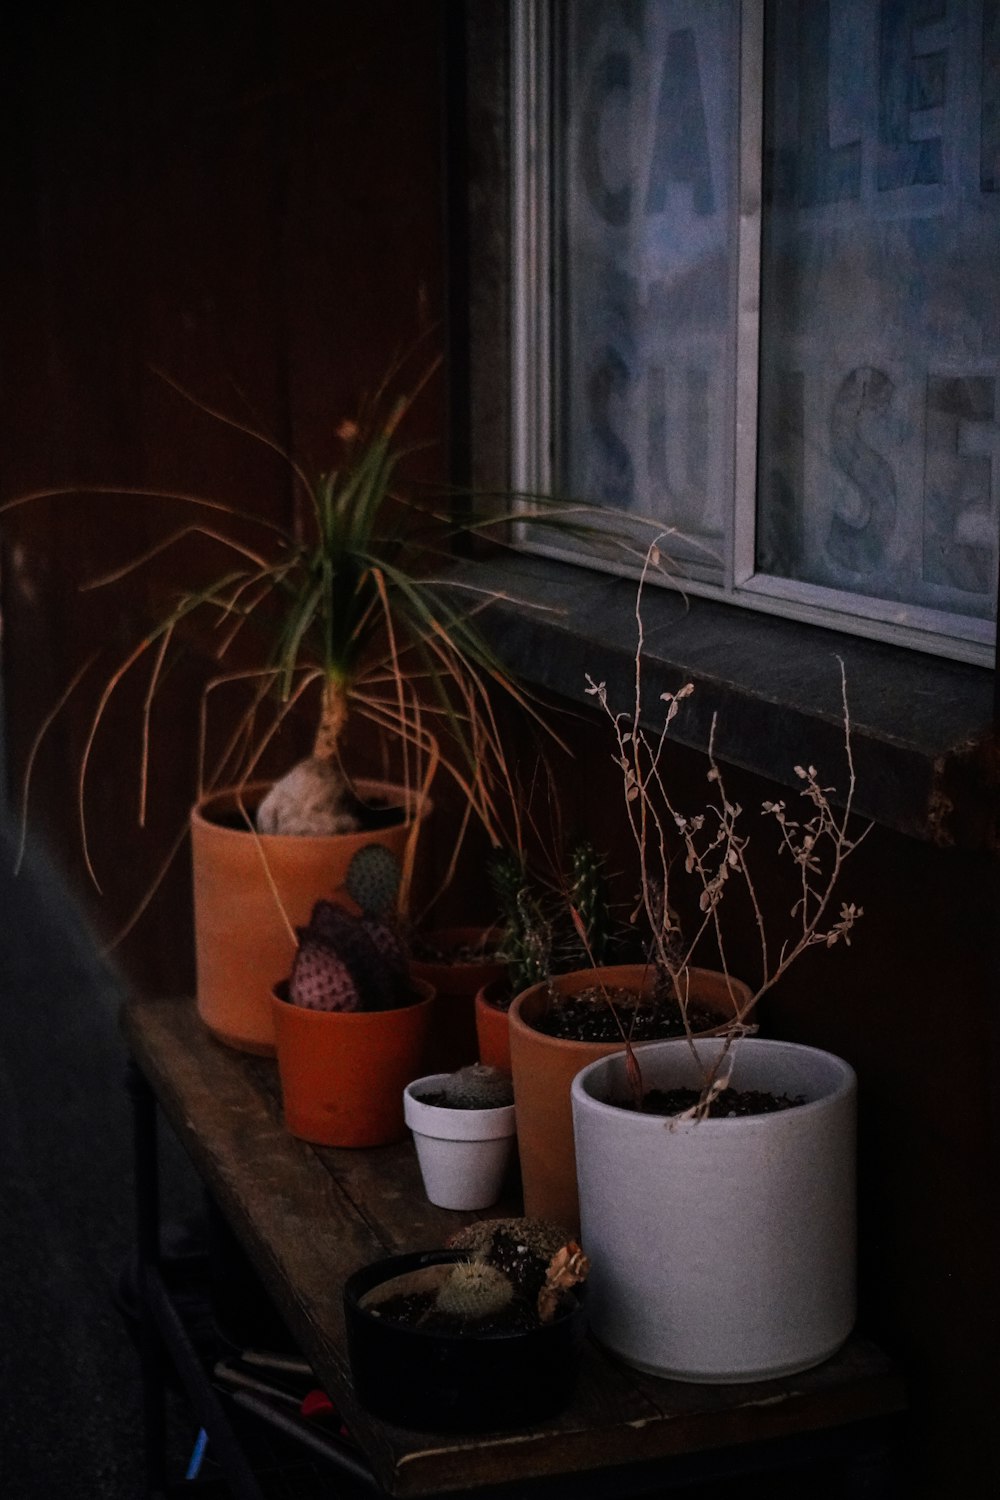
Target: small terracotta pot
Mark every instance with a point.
(343, 1072)
(544, 1067)
(492, 1027)
(452, 1041)
(242, 884)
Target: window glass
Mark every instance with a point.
(880, 323)
(648, 135)
(758, 301)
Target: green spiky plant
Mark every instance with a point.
(477, 1086)
(356, 615)
(551, 926)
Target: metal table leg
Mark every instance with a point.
(161, 1328)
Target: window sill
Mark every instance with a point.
(922, 728)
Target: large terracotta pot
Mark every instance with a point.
(492, 1026)
(544, 1067)
(252, 890)
(452, 1042)
(343, 1073)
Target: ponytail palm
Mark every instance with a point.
(352, 611)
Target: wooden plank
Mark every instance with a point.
(309, 1217)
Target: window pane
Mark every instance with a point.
(647, 127)
(879, 458)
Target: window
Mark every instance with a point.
(757, 296)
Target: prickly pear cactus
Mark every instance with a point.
(373, 879)
(344, 963)
(477, 1087)
(474, 1291)
(320, 980)
(388, 939)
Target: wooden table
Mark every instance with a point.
(308, 1216)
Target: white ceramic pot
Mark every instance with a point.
(723, 1249)
(463, 1153)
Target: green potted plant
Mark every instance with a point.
(572, 998)
(546, 924)
(353, 619)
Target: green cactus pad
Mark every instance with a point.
(373, 880)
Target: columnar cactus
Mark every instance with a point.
(551, 927)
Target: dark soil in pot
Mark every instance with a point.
(441, 1100)
(730, 1104)
(589, 1017)
(371, 817)
(429, 952)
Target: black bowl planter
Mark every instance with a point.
(456, 1382)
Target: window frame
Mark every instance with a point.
(534, 296)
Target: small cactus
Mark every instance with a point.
(473, 1291)
(521, 1248)
(477, 1087)
(538, 1236)
(320, 980)
(346, 962)
(373, 880)
(526, 942)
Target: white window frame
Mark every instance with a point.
(534, 295)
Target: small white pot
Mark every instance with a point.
(463, 1153)
(723, 1249)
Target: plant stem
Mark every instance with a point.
(333, 717)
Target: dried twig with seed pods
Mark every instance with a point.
(716, 849)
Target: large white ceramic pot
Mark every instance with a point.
(722, 1249)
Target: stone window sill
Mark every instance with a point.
(922, 728)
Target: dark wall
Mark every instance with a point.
(240, 196)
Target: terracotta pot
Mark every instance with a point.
(492, 1027)
(452, 1041)
(544, 1067)
(721, 1249)
(343, 1072)
(242, 884)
